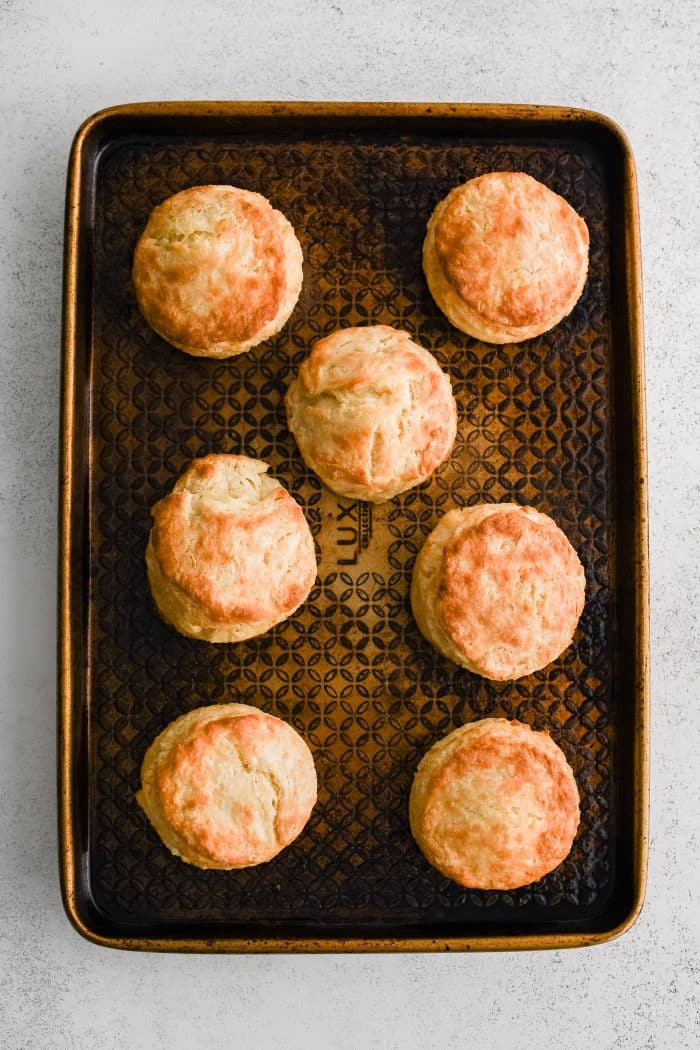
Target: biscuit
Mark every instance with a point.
(217, 270)
(499, 589)
(505, 258)
(227, 786)
(494, 805)
(372, 413)
(230, 553)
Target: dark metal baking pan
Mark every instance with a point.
(557, 422)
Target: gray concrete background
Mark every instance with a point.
(58, 63)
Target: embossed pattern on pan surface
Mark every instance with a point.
(350, 669)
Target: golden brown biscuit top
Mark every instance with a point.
(372, 407)
(512, 249)
(511, 589)
(496, 805)
(210, 266)
(234, 540)
(235, 787)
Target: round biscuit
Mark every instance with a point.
(498, 589)
(230, 553)
(372, 412)
(505, 257)
(227, 786)
(494, 805)
(217, 270)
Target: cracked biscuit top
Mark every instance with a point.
(499, 589)
(217, 270)
(227, 786)
(230, 553)
(505, 258)
(372, 412)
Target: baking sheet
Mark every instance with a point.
(556, 422)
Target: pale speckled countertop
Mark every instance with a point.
(60, 62)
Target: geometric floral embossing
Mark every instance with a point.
(350, 669)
